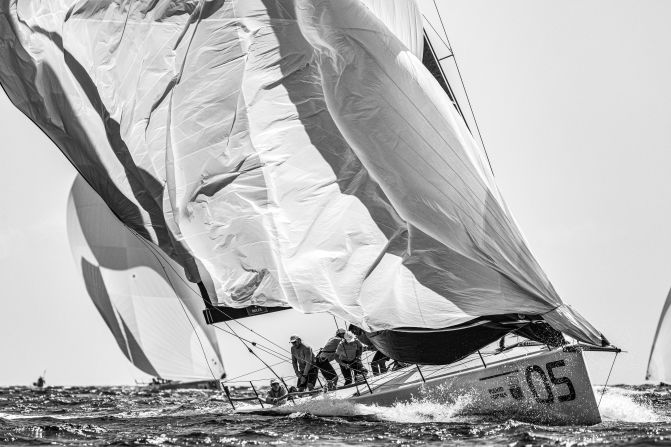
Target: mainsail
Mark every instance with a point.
(149, 307)
(659, 364)
(295, 151)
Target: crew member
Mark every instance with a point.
(303, 361)
(348, 356)
(326, 355)
(277, 395)
(379, 363)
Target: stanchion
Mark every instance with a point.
(257, 394)
(228, 395)
(482, 360)
(420, 373)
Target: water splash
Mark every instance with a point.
(426, 409)
(619, 404)
(423, 409)
(321, 406)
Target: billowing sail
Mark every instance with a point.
(404, 20)
(142, 295)
(659, 364)
(297, 150)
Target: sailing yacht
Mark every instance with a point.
(154, 317)
(312, 155)
(659, 363)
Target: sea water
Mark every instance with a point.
(124, 416)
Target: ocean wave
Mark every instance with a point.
(626, 405)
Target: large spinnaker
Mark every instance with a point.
(659, 364)
(141, 294)
(308, 157)
(404, 19)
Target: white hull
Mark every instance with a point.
(547, 387)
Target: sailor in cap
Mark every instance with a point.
(303, 361)
(277, 395)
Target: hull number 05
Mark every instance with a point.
(546, 395)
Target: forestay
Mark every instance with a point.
(297, 149)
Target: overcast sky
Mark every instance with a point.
(574, 103)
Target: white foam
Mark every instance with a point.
(420, 410)
(425, 409)
(10, 417)
(618, 404)
(323, 406)
(158, 440)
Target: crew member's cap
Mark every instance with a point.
(340, 332)
(274, 381)
(293, 338)
(349, 336)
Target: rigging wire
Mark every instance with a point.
(248, 328)
(438, 35)
(232, 379)
(254, 353)
(461, 79)
(336, 322)
(269, 351)
(607, 379)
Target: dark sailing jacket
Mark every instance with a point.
(329, 349)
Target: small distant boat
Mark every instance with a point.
(40, 382)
